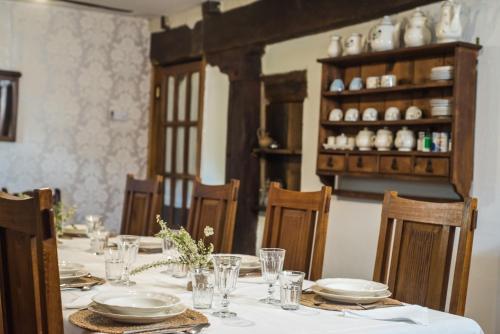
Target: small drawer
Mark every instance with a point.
(395, 165)
(362, 163)
(331, 162)
(432, 166)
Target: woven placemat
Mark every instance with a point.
(83, 281)
(310, 299)
(97, 323)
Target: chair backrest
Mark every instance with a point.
(214, 206)
(141, 205)
(30, 299)
(415, 249)
(297, 222)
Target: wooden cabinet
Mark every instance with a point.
(412, 67)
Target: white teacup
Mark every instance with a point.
(370, 114)
(388, 80)
(372, 82)
(351, 115)
(392, 114)
(413, 112)
(335, 115)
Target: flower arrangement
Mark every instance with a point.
(191, 252)
(62, 214)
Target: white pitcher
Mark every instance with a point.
(335, 47)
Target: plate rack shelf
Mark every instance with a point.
(412, 67)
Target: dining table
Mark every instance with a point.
(253, 317)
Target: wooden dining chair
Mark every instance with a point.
(141, 205)
(30, 300)
(297, 222)
(214, 206)
(415, 249)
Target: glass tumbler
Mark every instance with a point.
(98, 241)
(291, 289)
(271, 262)
(93, 222)
(227, 270)
(129, 247)
(113, 262)
(203, 281)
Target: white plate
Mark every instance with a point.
(351, 286)
(138, 319)
(73, 276)
(247, 261)
(136, 302)
(150, 243)
(75, 229)
(69, 268)
(349, 299)
(442, 68)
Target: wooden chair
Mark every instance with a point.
(214, 206)
(30, 300)
(415, 249)
(298, 221)
(141, 205)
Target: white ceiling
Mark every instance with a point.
(138, 7)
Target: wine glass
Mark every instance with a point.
(271, 261)
(129, 247)
(227, 270)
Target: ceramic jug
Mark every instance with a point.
(417, 31)
(335, 47)
(264, 139)
(449, 27)
(385, 35)
(405, 140)
(353, 45)
(341, 142)
(365, 140)
(383, 140)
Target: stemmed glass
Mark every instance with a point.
(227, 270)
(271, 261)
(129, 247)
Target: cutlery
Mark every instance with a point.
(86, 287)
(160, 329)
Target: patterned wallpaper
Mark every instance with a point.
(76, 67)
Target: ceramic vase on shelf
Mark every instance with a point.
(385, 35)
(365, 140)
(335, 47)
(417, 31)
(383, 139)
(449, 27)
(353, 45)
(405, 140)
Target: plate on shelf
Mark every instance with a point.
(349, 299)
(137, 319)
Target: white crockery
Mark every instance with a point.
(250, 261)
(413, 113)
(365, 140)
(383, 139)
(372, 82)
(69, 268)
(135, 302)
(138, 319)
(348, 298)
(385, 35)
(353, 45)
(449, 27)
(405, 140)
(370, 114)
(351, 115)
(335, 115)
(69, 277)
(417, 31)
(75, 229)
(392, 114)
(351, 286)
(388, 80)
(335, 46)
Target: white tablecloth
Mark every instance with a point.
(254, 317)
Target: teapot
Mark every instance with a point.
(449, 27)
(264, 139)
(405, 140)
(341, 142)
(385, 35)
(383, 140)
(417, 31)
(335, 47)
(353, 45)
(365, 140)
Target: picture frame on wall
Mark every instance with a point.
(9, 93)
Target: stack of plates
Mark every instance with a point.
(136, 307)
(440, 107)
(352, 291)
(70, 271)
(442, 73)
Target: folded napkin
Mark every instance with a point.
(409, 313)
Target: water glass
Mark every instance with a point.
(169, 252)
(129, 247)
(291, 289)
(227, 270)
(203, 281)
(113, 264)
(98, 241)
(93, 222)
(271, 262)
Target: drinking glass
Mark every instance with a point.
(180, 270)
(113, 264)
(93, 222)
(271, 262)
(227, 270)
(128, 246)
(98, 241)
(203, 281)
(169, 252)
(291, 289)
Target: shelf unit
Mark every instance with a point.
(412, 66)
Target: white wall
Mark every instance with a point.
(76, 66)
(353, 229)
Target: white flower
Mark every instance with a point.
(208, 231)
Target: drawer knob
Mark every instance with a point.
(359, 163)
(394, 164)
(428, 168)
(329, 162)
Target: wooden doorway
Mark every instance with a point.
(175, 136)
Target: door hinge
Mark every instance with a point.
(157, 92)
